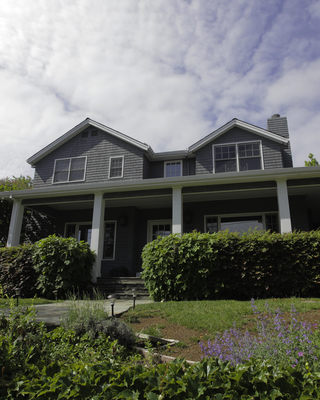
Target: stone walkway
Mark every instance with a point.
(52, 313)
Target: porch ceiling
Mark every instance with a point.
(165, 201)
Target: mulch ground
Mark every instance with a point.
(189, 339)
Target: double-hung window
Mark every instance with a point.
(172, 168)
(116, 167)
(69, 169)
(237, 157)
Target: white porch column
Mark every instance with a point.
(283, 205)
(177, 210)
(97, 233)
(15, 223)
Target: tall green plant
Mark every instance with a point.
(62, 264)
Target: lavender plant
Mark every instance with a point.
(286, 343)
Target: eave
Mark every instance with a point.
(78, 129)
(160, 183)
(240, 124)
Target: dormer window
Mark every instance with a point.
(172, 168)
(69, 169)
(237, 157)
(116, 167)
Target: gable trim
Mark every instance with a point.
(240, 124)
(79, 128)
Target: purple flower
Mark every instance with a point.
(300, 354)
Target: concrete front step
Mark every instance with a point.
(122, 287)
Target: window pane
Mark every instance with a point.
(226, 166)
(246, 164)
(71, 230)
(218, 153)
(61, 176)
(109, 240)
(76, 175)
(173, 169)
(85, 233)
(212, 224)
(272, 222)
(160, 230)
(116, 167)
(77, 163)
(62, 165)
(241, 224)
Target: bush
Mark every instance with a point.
(62, 264)
(16, 271)
(282, 342)
(198, 266)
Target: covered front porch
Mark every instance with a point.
(118, 219)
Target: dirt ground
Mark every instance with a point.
(189, 339)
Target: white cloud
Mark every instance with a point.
(166, 72)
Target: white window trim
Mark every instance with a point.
(263, 215)
(157, 222)
(68, 181)
(77, 224)
(116, 177)
(170, 162)
(237, 153)
(115, 240)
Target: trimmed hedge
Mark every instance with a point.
(16, 271)
(51, 263)
(232, 266)
(63, 264)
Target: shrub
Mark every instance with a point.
(89, 317)
(199, 266)
(286, 343)
(62, 264)
(16, 271)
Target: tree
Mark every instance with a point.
(7, 184)
(312, 162)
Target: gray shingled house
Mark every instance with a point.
(99, 185)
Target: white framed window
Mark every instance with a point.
(79, 230)
(232, 157)
(109, 243)
(172, 168)
(116, 167)
(69, 169)
(83, 231)
(161, 227)
(241, 222)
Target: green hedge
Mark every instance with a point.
(51, 263)
(16, 271)
(232, 266)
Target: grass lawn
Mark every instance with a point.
(5, 303)
(217, 316)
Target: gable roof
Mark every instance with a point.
(79, 128)
(240, 124)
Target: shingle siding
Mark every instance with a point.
(98, 150)
(272, 151)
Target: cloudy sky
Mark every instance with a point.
(166, 72)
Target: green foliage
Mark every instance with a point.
(62, 264)
(83, 315)
(62, 365)
(232, 266)
(8, 184)
(312, 162)
(16, 271)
